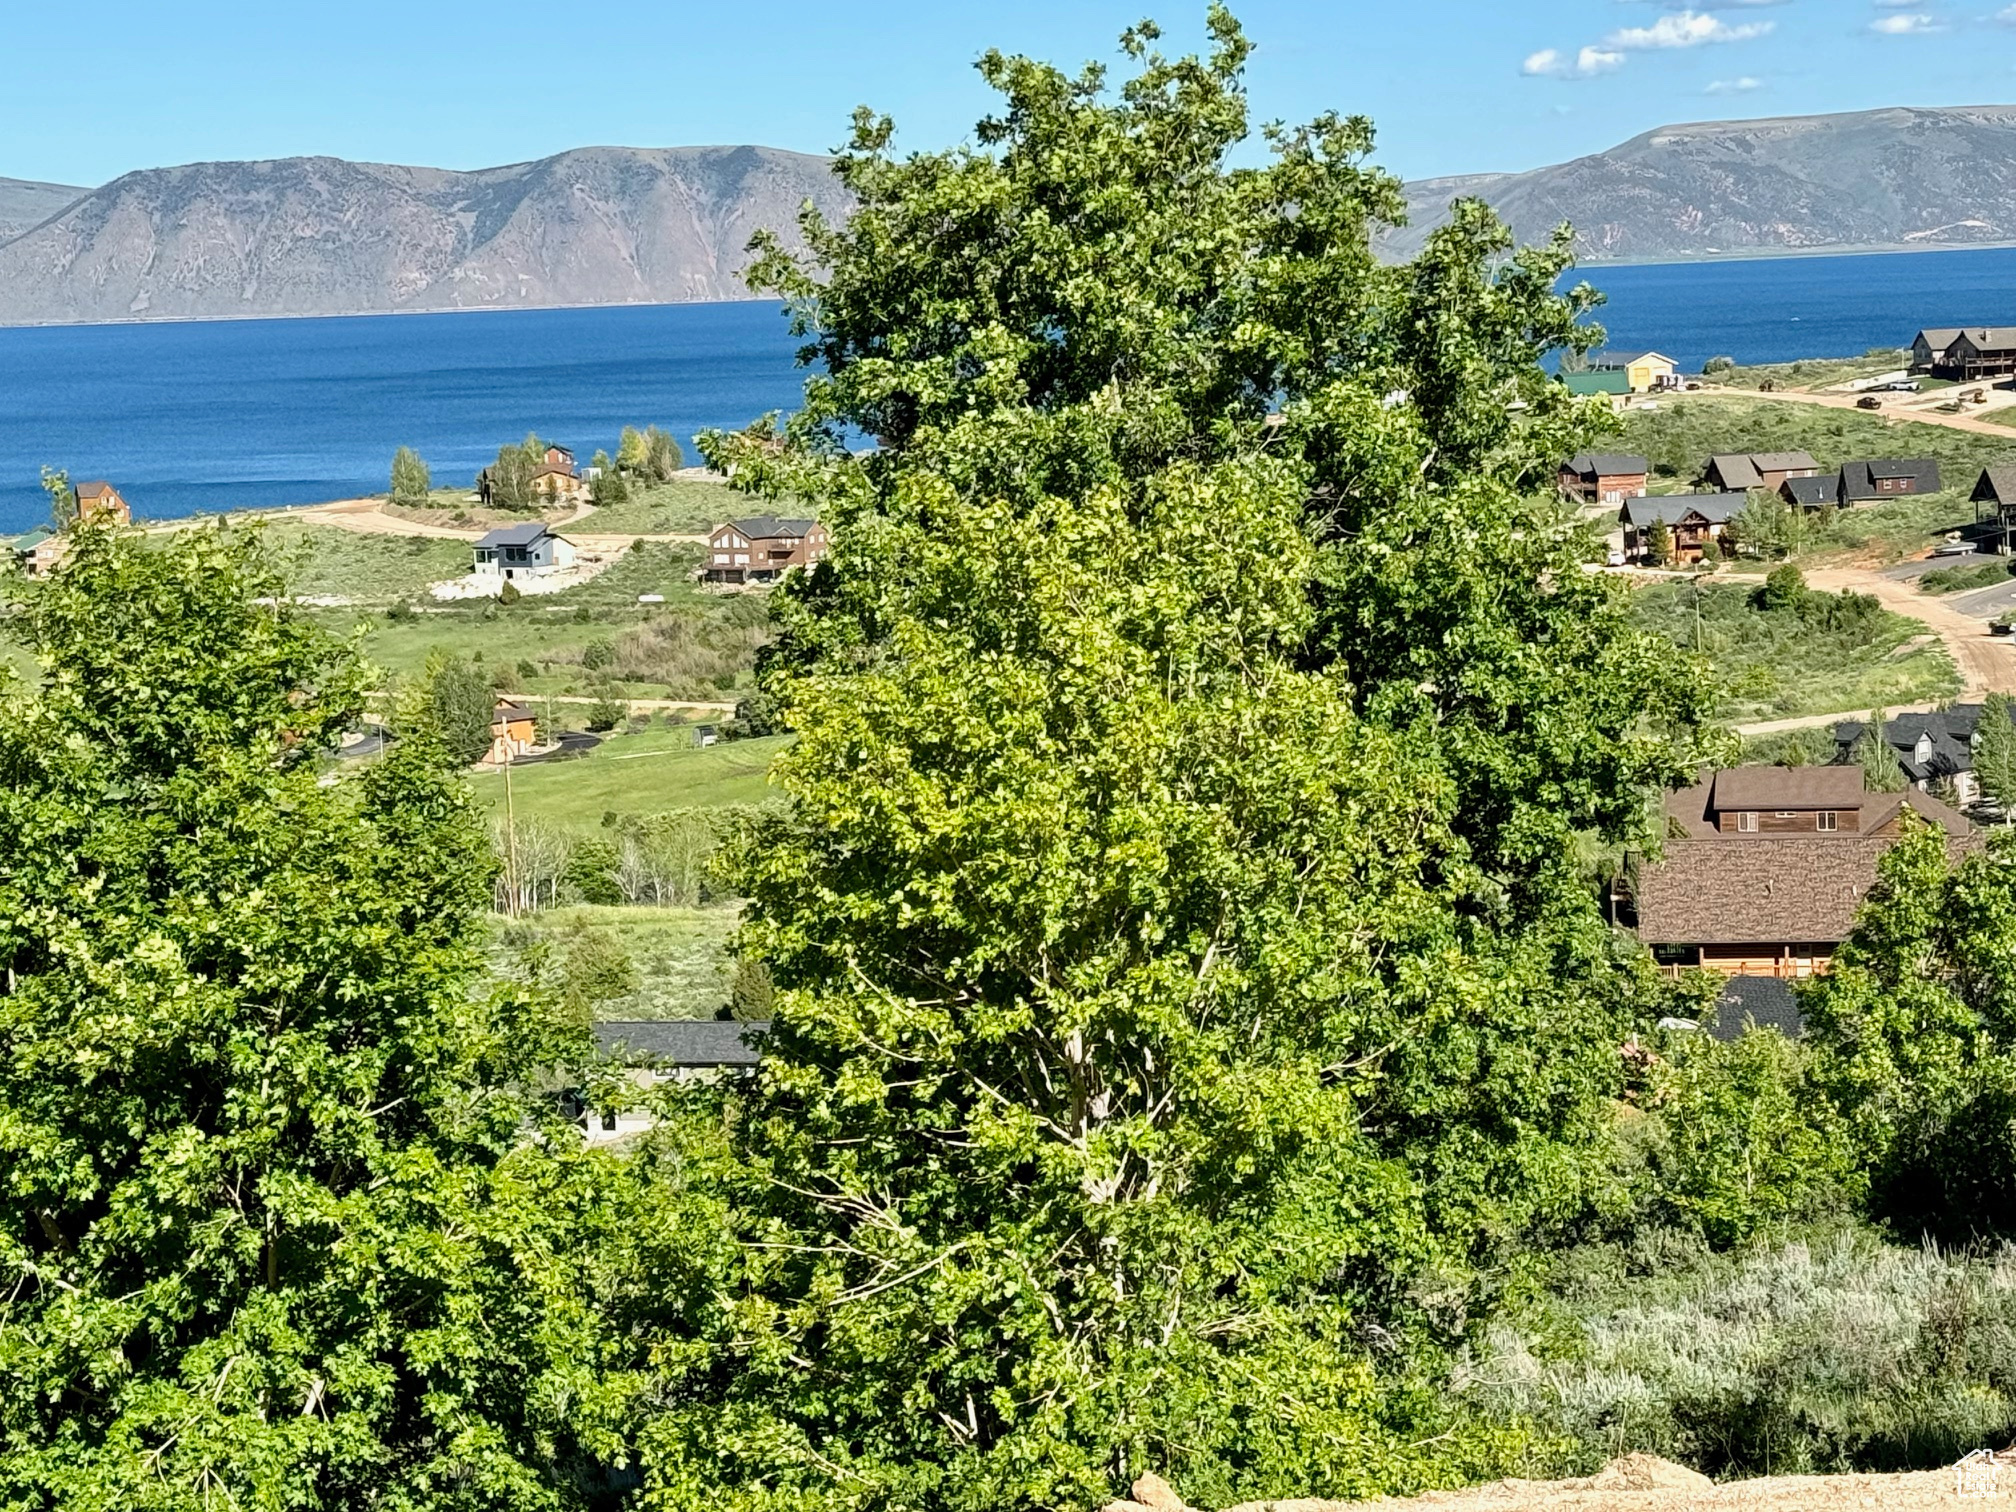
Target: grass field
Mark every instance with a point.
(1815, 372)
(681, 954)
(374, 568)
(695, 645)
(1680, 436)
(685, 506)
(1780, 664)
(646, 773)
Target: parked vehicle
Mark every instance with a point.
(1979, 396)
(1868, 401)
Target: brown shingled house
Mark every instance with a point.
(100, 501)
(1731, 472)
(1764, 867)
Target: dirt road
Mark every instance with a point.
(1642, 1483)
(1891, 409)
(368, 517)
(1987, 662)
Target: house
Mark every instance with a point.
(528, 550)
(1811, 493)
(763, 549)
(1643, 371)
(559, 485)
(37, 553)
(1764, 867)
(1995, 501)
(1693, 520)
(100, 502)
(1978, 352)
(1931, 748)
(1862, 482)
(1734, 472)
(559, 457)
(1604, 477)
(513, 732)
(1928, 348)
(657, 1051)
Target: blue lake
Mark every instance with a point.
(232, 414)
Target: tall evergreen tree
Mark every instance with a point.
(1182, 976)
(1881, 770)
(1995, 752)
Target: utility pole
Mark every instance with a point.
(510, 834)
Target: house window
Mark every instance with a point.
(609, 1123)
(1827, 822)
(1787, 814)
(1746, 824)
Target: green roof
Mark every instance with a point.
(1582, 385)
(31, 540)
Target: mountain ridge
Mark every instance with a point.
(325, 235)
(1892, 179)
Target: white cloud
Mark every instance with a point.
(1914, 25)
(1685, 28)
(1735, 86)
(1551, 63)
(2007, 17)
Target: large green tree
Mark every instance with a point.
(275, 1226)
(1187, 1004)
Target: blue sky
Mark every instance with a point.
(1454, 85)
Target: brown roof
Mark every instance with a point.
(548, 472)
(510, 712)
(1770, 787)
(96, 490)
(1792, 461)
(1794, 889)
(1735, 469)
(1880, 809)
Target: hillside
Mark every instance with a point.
(24, 205)
(1879, 179)
(321, 236)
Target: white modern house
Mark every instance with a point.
(517, 551)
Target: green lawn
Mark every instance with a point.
(1780, 664)
(681, 954)
(1680, 436)
(647, 773)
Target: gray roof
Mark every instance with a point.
(1673, 508)
(1608, 465)
(1938, 338)
(1858, 479)
(1812, 492)
(1735, 469)
(1990, 338)
(1948, 733)
(515, 535)
(1997, 485)
(1764, 1002)
(683, 1042)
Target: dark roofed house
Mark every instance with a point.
(1995, 501)
(1693, 520)
(1978, 352)
(1811, 492)
(1887, 478)
(528, 550)
(1748, 1002)
(1931, 748)
(1765, 867)
(655, 1051)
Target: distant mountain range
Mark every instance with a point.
(321, 236)
(1901, 179)
(616, 225)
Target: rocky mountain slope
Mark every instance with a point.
(24, 205)
(321, 236)
(1902, 178)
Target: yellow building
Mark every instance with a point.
(1644, 372)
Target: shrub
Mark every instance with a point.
(509, 593)
(1718, 365)
(591, 871)
(608, 710)
(598, 654)
(597, 968)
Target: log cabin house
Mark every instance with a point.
(1693, 520)
(1764, 867)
